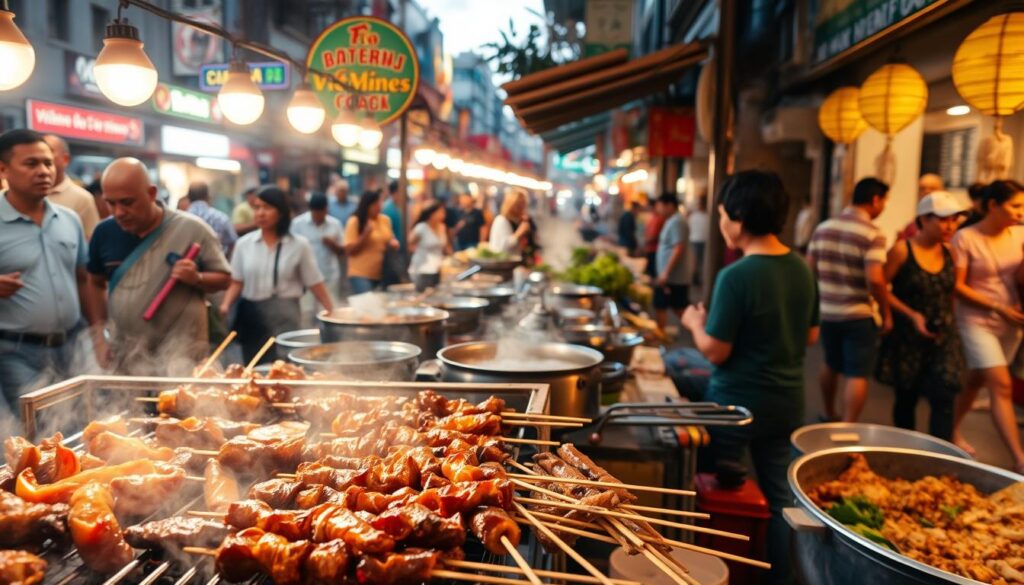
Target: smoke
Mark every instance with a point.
(370, 306)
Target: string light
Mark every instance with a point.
(240, 100)
(124, 73)
(17, 57)
(305, 113)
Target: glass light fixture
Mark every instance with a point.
(240, 100)
(17, 57)
(305, 113)
(123, 72)
(441, 161)
(370, 134)
(345, 128)
(424, 156)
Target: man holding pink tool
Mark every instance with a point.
(154, 266)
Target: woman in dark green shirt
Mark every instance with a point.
(763, 315)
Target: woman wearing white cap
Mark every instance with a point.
(921, 357)
(989, 258)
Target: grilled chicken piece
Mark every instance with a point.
(329, 522)
(245, 454)
(115, 448)
(571, 455)
(95, 531)
(220, 487)
(51, 461)
(290, 524)
(252, 551)
(113, 424)
(406, 568)
(140, 495)
(192, 432)
(23, 523)
(177, 532)
(416, 525)
(279, 493)
(490, 524)
(18, 567)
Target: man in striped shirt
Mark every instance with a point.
(847, 256)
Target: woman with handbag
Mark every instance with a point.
(368, 237)
(989, 259)
(270, 271)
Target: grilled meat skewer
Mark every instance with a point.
(23, 523)
(18, 567)
(177, 532)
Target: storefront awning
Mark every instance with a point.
(552, 98)
(578, 134)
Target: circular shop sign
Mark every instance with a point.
(374, 62)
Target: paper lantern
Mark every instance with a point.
(893, 97)
(988, 68)
(839, 116)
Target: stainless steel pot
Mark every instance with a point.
(827, 553)
(371, 361)
(819, 437)
(574, 384)
(421, 326)
(496, 296)
(299, 338)
(572, 316)
(577, 296)
(502, 268)
(464, 313)
(616, 345)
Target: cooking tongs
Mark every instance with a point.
(705, 414)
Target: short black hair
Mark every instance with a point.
(198, 191)
(756, 199)
(867, 189)
(999, 192)
(668, 199)
(318, 201)
(273, 196)
(429, 210)
(392, 187)
(12, 138)
(975, 191)
(251, 191)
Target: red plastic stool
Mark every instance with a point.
(743, 510)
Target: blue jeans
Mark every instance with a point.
(27, 366)
(360, 285)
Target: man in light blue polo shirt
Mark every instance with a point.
(42, 270)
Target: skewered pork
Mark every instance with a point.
(177, 532)
(490, 524)
(141, 495)
(220, 487)
(18, 567)
(115, 448)
(24, 523)
(95, 531)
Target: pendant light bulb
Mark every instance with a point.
(124, 73)
(17, 57)
(370, 134)
(240, 100)
(305, 113)
(345, 128)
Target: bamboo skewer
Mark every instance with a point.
(540, 572)
(514, 414)
(518, 558)
(259, 355)
(533, 476)
(683, 571)
(561, 544)
(653, 510)
(216, 353)
(495, 437)
(204, 514)
(541, 423)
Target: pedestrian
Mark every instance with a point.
(763, 316)
(199, 206)
(699, 224)
(129, 262)
(626, 230)
(391, 210)
(803, 228)
(927, 184)
(989, 257)
(68, 193)
(429, 244)
(652, 229)
(922, 356)
(672, 285)
(43, 292)
(510, 227)
(974, 215)
(470, 227)
(326, 236)
(243, 218)
(339, 205)
(270, 270)
(847, 256)
(368, 237)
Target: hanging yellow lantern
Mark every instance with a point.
(988, 68)
(893, 97)
(839, 116)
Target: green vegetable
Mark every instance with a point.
(951, 512)
(926, 522)
(604, 272)
(857, 510)
(485, 253)
(874, 536)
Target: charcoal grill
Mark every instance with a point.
(69, 405)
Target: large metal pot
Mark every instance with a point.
(421, 326)
(496, 296)
(575, 382)
(616, 345)
(371, 361)
(827, 553)
(576, 296)
(819, 437)
(464, 313)
(502, 268)
(297, 339)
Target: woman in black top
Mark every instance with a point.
(922, 357)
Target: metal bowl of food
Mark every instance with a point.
(617, 345)
(465, 314)
(496, 296)
(421, 326)
(502, 267)
(570, 370)
(828, 552)
(573, 316)
(576, 296)
(371, 361)
(818, 437)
